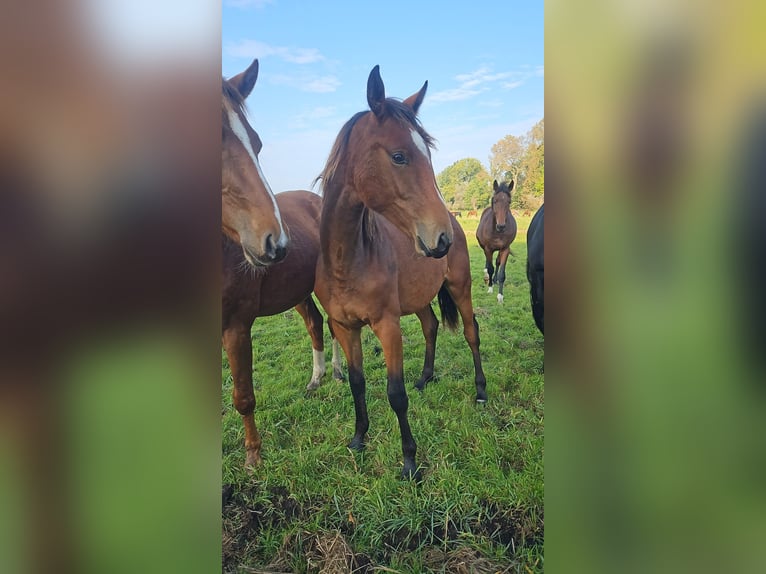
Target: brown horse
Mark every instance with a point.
(268, 287)
(496, 232)
(385, 231)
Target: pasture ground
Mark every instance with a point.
(316, 506)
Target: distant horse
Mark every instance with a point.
(496, 232)
(473, 213)
(261, 277)
(388, 246)
(535, 265)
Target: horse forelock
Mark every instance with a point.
(503, 188)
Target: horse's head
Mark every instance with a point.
(501, 203)
(250, 215)
(392, 172)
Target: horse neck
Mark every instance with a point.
(344, 229)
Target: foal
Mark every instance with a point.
(388, 246)
(496, 232)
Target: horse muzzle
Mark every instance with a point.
(437, 252)
(272, 253)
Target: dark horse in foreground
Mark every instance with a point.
(388, 246)
(496, 232)
(270, 250)
(536, 266)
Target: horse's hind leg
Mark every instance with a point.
(458, 285)
(337, 369)
(502, 258)
(239, 350)
(430, 325)
(313, 321)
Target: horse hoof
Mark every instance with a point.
(412, 473)
(313, 386)
(421, 384)
(253, 459)
(481, 396)
(337, 374)
(490, 289)
(500, 298)
(356, 444)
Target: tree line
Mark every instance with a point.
(466, 184)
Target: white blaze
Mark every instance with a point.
(241, 132)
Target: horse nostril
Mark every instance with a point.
(443, 243)
(500, 227)
(271, 247)
(280, 253)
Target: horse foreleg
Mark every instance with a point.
(389, 334)
(430, 325)
(489, 271)
(351, 342)
(502, 258)
(312, 318)
(239, 350)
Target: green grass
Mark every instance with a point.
(481, 498)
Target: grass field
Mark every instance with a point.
(314, 505)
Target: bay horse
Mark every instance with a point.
(496, 232)
(262, 278)
(388, 246)
(536, 266)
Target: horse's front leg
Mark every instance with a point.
(239, 350)
(502, 258)
(488, 270)
(351, 342)
(388, 331)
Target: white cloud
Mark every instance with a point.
(484, 79)
(254, 49)
(308, 83)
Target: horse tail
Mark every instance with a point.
(448, 308)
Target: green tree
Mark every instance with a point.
(455, 181)
(522, 158)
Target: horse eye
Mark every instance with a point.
(399, 158)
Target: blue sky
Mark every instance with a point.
(483, 61)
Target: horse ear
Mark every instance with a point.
(495, 186)
(415, 100)
(245, 81)
(376, 92)
(510, 187)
